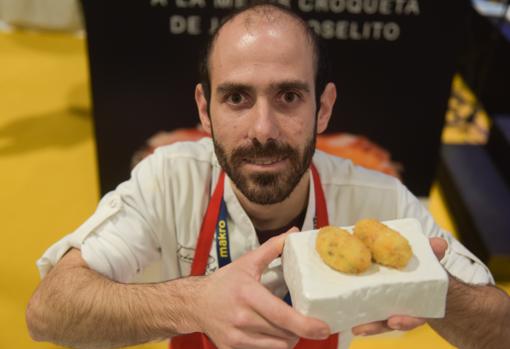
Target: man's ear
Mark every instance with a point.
(203, 113)
(327, 102)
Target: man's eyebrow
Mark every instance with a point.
(291, 85)
(229, 87)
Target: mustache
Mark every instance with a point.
(270, 149)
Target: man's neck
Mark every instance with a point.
(267, 217)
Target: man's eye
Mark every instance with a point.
(290, 97)
(235, 98)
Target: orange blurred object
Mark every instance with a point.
(360, 150)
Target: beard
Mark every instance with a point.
(266, 188)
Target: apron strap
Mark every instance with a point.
(205, 237)
(321, 209)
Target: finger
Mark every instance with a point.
(253, 322)
(264, 342)
(266, 253)
(242, 339)
(280, 314)
(404, 323)
(276, 332)
(439, 246)
(371, 328)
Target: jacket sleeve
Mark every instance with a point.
(122, 237)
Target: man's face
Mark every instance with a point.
(262, 106)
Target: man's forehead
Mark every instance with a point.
(270, 20)
(266, 37)
(261, 16)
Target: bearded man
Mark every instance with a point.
(263, 98)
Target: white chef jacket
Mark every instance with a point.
(155, 217)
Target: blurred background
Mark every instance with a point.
(89, 88)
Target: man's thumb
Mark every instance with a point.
(270, 250)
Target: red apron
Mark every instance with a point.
(198, 340)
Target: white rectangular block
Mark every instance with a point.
(344, 301)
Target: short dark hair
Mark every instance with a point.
(322, 68)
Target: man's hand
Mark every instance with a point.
(237, 311)
(398, 322)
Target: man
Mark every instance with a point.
(259, 103)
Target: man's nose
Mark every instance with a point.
(264, 123)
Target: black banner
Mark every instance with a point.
(393, 61)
